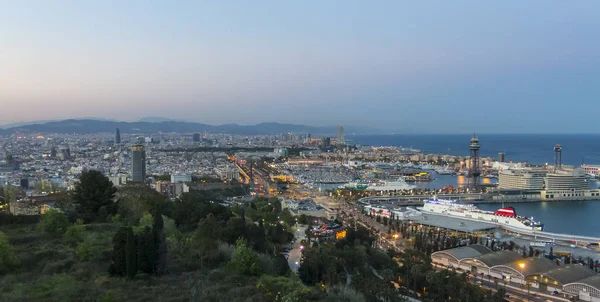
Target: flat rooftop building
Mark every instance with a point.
(522, 179)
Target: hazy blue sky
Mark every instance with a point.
(445, 66)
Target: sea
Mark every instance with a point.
(577, 218)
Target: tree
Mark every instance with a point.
(191, 207)
(531, 252)
(160, 243)
(204, 240)
(137, 200)
(244, 260)
(146, 251)
(74, 233)
(130, 255)
(303, 219)
(93, 192)
(8, 256)
(53, 222)
(118, 265)
(9, 193)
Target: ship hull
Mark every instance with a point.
(481, 216)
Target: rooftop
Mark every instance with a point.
(532, 265)
(498, 258)
(593, 281)
(466, 252)
(569, 273)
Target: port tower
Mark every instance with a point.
(557, 157)
(474, 169)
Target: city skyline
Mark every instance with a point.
(445, 68)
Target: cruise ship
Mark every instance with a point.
(381, 185)
(504, 216)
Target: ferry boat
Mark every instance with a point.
(380, 185)
(504, 216)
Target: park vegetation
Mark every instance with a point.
(133, 244)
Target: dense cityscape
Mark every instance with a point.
(327, 188)
(292, 151)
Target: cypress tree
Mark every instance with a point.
(160, 244)
(118, 264)
(146, 251)
(130, 254)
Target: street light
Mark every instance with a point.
(522, 266)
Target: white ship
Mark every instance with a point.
(504, 216)
(384, 185)
(444, 170)
(381, 185)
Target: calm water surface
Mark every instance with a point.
(570, 217)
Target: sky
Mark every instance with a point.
(407, 66)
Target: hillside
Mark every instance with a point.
(87, 126)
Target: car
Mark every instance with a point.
(450, 266)
(554, 293)
(478, 282)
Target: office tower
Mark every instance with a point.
(196, 137)
(117, 136)
(501, 157)
(138, 163)
(340, 135)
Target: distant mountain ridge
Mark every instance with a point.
(88, 126)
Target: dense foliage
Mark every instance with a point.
(53, 222)
(93, 197)
(8, 257)
(143, 247)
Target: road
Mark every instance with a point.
(296, 252)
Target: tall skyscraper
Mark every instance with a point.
(138, 163)
(117, 136)
(340, 135)
(196, 137)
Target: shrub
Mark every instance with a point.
(53, 222)
(145, 221)
(8, 257)
(344, 293)
(244, 260)
(85, 251)
(8, 218)
(58, 287)
(74, 233)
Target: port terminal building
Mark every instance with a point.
(540, 184)
(570, 281)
